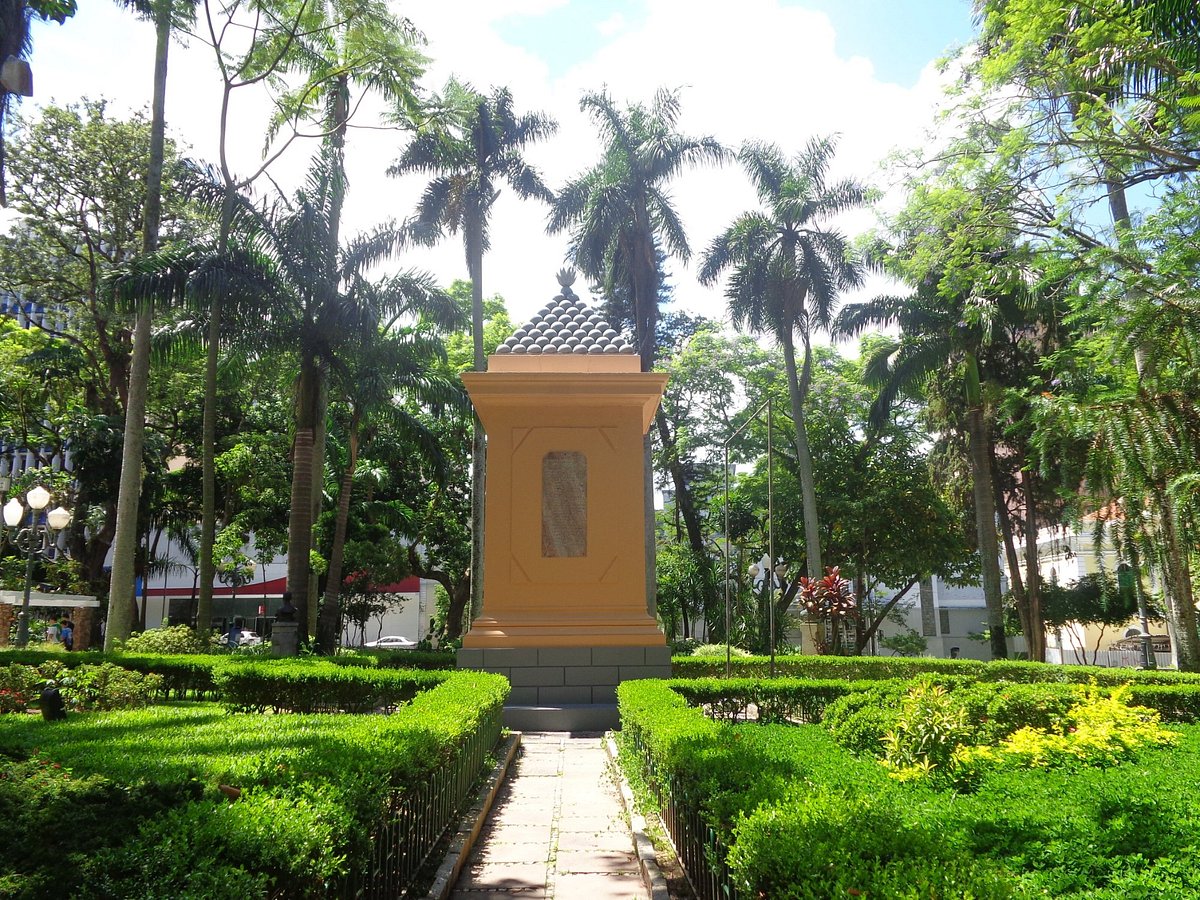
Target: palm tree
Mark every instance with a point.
(787, 272)
(319, 319)
(479, 146)
(620, 218)
(166, 14)
(384, 368)
(619, 213)
(305, 32)
(343, 44)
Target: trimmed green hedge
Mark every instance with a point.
(191, 676)
(129, 804)
(317, 686)
(781, 699)
(858, 668)
(776, 699)
(795, 815)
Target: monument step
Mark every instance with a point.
(568, 717)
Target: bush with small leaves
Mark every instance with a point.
(171, 639)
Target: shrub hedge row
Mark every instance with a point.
(784, 699)
(193, 675)
(856, 668)
(311, 685)
(797, 815)
(129, 804)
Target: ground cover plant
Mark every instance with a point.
(919, 789)
(193, 800)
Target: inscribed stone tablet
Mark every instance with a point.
(564, 504)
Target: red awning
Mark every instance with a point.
(275, 588)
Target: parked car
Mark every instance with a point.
(392, 642)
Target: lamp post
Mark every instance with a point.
(34, 539)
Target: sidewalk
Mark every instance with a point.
(557, 828)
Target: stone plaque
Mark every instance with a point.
(564, 504)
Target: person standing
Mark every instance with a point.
(67, 630)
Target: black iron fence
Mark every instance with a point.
(700, 849)
(417, 818)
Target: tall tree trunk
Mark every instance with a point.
(1016, 581)
(474, 248)
(320, 411)
(208, 445)
(1181, 602)
(798, 394)
(130, 489)
(985, 513)
(1036, 635)
(300, 517)
(329, 617)
(685, 505)
(644, 277)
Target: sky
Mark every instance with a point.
(773, 70)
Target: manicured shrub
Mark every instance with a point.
(796, 815)
(775, 700)
(823, 844)
(171, 639)
(260, 846)
(855, 668)
(108, 687)
(316, 686)
(311, 790)
(995, 710)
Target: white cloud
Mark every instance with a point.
(611, 25)
(755, 69)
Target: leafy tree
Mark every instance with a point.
(708, 374)
(882, 514)
(1093, 600)
(339, 46)
(78, 184)
(788, 269)
(437, 536)
(288, 276)
(15, 43)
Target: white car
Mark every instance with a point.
(393, 642)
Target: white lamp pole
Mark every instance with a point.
(34, 540)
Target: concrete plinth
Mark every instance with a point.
(555, 688)
(285, 638)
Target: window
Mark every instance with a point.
(564, 504)
(944, 616)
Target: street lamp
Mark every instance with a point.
(34, 540)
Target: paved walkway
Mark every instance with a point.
(557, 828)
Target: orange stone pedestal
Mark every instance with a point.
(564, 541)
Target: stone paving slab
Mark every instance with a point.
(557, 830)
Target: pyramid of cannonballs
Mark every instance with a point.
(566, 325)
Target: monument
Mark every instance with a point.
(565, 406)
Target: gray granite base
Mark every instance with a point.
(555, 688)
